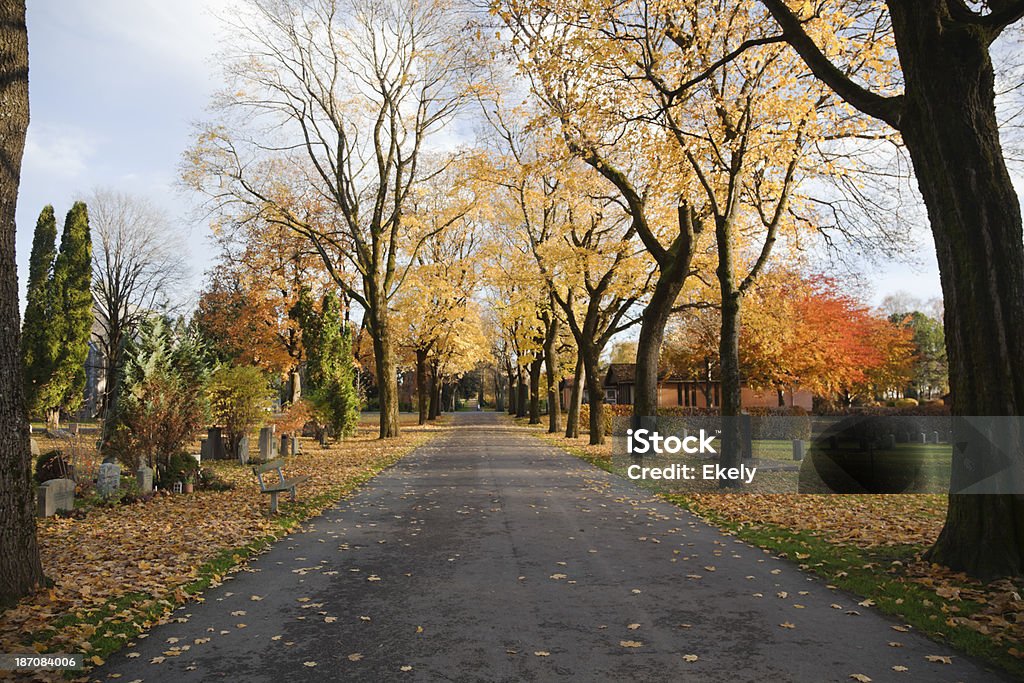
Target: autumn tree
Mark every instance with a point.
(239, 399)
(332, 104)
(941, 100)
(137, 262)
(20, 569)
(246, 310)
(578, 77)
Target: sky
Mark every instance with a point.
(114, 88)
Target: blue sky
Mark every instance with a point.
(115, 86)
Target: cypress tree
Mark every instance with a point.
(38, 341)
(72, 320)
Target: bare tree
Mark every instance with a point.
(137, 261)
(20, 569)
(326, 123)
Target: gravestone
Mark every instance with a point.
(267, 444)
(296, 387)
(924, 438)
(286, 442)
(34, 447)
(799, 447)
(144, 479)
(204, 449)
(323, 439)
(889, 442)
(935, 437)
(74, 429)
(55, 495)
(295, 445)
(214, 436)
(109, 479)
(243, 450)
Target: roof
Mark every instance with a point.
(625, 373)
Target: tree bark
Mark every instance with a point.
(551, 370)
(652, 333)
(387, 381)
(522, 394)
(421, 385)
(572, 421)
(729, 351)
(512, 389)
(535, 368)
(595, 394)
(950, 129)
(20, 569)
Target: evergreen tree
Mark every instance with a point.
(38, 341)
(72, 319)
(330, 365)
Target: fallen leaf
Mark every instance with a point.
(355, 657)
(900, 667)
(630, 643)
(939, 659)
(786, 624)
(861, 678)
(542, 653)
(690, 658)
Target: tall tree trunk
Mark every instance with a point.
(729, 351)
(551, 371)
(499, 392)
(421, 384)
(20, 568)
(950, 128)
(522, 393)
(572, 421)
(513, 391)
(535, 368)
(652, 333)
(387, 380)
(434, 408)
(595, 394)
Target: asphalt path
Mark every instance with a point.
(487, 555)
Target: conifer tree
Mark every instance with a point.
(38, 342)
(72, 319)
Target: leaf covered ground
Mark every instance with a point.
(120, 569)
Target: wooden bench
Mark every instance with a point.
(279, 486)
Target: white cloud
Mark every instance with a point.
(60, 151)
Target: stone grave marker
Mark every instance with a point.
(109, 479)
(295, 445)
(34, 447)
(799, 448)
(55, 495)
(286, 442)
(216, 439)
(267, 444)
(204, 448)
(144, 479)
(889, 442)
(243, 450)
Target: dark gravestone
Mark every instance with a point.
(267, 450)
(286, 443)
(216, 443)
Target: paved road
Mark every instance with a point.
(489, 556)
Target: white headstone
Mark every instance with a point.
(144, 479)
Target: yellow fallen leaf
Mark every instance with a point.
(556, 577)
(97, 660)
(542, 653)
(899, 667)
(690, 658)
(355, 657)
(633, 627)
(405, 668)
(786, 624)
(938, 659)
(309, 664)
(330, 620)
(861, 678)
(630, 643)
